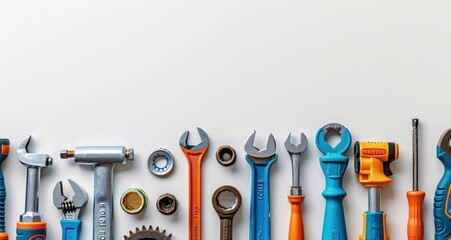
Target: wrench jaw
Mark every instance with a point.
(37, 160)
(70, 210)
(296, 149)
(202, 145)
(255, 153)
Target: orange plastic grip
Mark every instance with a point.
(415, 226)
(3, 236)
(195, 192)
(296, 231)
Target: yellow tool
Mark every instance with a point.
(372, 162)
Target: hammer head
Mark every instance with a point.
(92, 155)
(39, 160)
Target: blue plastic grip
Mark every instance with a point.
(334, 226)
(442, 214)
(374, 226)
(71, 229)
(31, 233)
(260, 225)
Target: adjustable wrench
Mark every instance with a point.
(30, 226)
(334, 164)
(260, 162)
(442, 199)
(296, 230)
(194, 155)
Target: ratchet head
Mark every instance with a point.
(296, 149)
(255, 152)
(202, 145)
(32, 159)
(72, 208)
(444, 142)
(341, 147)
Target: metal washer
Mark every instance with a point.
(160, 153)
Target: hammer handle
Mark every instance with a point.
(103, 202)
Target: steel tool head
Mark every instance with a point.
(325, 147)
(444, 142)
(203, 144)
(269, 151)
(296, 149)
(79, 200)
(32, 159)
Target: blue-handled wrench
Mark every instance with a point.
(260, 162)
(71, 224)
(334, 165)
(442, 210)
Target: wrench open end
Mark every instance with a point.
(256, 152)
(203, 137)
(299, 148)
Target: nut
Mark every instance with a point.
(167, 204)
(134, 200)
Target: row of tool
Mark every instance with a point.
(371, 162)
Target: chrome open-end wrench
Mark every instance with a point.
(260, 162)
(296, 230)
(194, 155)
(334, 164)
(225, 212)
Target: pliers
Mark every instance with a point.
(71, 209)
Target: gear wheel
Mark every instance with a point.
(148, 234)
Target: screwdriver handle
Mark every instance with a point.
(374, 226)
(415, 223)
(334, 166)
(4, 151)
(31, 231)
(71, 229)
(442, 215)
(296, 231)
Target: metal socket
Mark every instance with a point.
(134, 200)
(226, 155)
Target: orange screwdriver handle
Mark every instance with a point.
(296, 231)
(415, 226)
(195, 191)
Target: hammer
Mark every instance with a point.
(104, 159)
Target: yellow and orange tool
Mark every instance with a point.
(372, 163)
(194, 155)
(296, 230)
(415, 197)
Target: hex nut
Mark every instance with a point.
(167, 204)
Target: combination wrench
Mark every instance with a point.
(225, 212)
(260, 162)
(194, 155)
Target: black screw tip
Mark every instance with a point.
(415, 122)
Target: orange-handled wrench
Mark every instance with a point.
(296, 230)
(194, 155)
(415, 197)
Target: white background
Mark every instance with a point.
(139, 73)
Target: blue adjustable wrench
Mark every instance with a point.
(260, 162)
(334, 165)
(442, 206)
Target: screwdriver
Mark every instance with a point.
(415, 197)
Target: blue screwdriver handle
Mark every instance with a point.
(71, 229)
(260, 226)
(334, 166)
(4, 148)
(442, 210)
